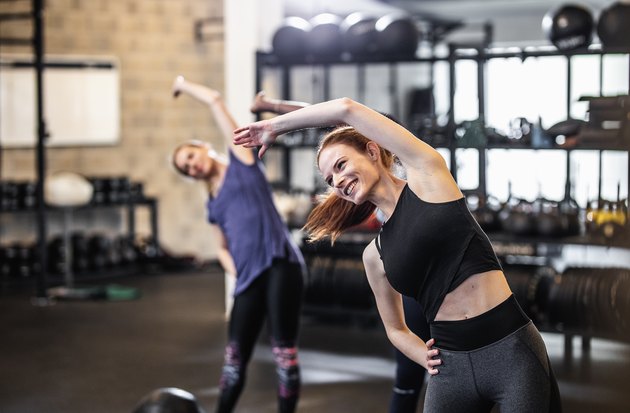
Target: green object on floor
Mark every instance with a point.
(115, 292)
(110, 292)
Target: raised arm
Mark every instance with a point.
(370, 123)
(263, 103)
(427, 172)
(389, 304)
(222, 116)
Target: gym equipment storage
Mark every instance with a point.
(559, 256)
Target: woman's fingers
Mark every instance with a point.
(242, 136)
(252, 136)
(177, 83)
(241, 129)
(432, 360)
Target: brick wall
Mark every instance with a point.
(153, 39)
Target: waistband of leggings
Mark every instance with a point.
(482, 330)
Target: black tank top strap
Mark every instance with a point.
(377, 242)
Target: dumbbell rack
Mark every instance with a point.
(67, 216)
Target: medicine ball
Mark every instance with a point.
(169, 400)
(613, 27)
(67, 189)
(397, 34)
(569, 26)
(289, 40)
(358, 31)
(324, 39)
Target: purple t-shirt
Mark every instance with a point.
(245, 212)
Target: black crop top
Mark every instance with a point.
(428, 249)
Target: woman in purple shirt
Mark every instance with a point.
(409, 375)
(255, 246)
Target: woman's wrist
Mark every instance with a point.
(214, 97)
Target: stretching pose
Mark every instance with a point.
(483, 349)
(255, 246)
(409, 376)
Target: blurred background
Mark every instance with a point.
(527, 100)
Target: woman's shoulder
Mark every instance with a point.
(436, 186)
(244, 156)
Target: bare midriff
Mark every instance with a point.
(476, 295)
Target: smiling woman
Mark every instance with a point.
(354, 161)
(430, 249)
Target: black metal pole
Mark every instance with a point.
(481, 101)
(450, 129)
(361, 82)
(286, 93)
(258, 80)
(393, 91)
(38, 46)
(285, 85)
(326, 83)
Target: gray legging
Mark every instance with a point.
(513, 372)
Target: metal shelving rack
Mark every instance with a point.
(36, 15)
(542, 250)
(481, 53)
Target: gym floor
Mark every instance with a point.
(103, 357)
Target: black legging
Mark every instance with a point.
(409, 374)
(277, 296)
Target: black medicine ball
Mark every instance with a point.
(289, 40)
(613, 26)
(169, 400)
(569, 27)
(324, 39)
(359, 34)
(397, 34)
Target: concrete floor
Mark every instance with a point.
(95, 357)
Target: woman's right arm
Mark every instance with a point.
(262, 103)
(389, 304)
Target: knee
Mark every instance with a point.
(233, 372)
(288, 370)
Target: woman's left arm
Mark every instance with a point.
(222, 116)
(370, 123)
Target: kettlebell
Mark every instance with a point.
(549, 223)
(517, 218)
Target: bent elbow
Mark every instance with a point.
(346, 107)
(394, 335)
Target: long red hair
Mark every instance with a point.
(333, 215)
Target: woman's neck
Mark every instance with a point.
(387, 194)
(215, 181)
